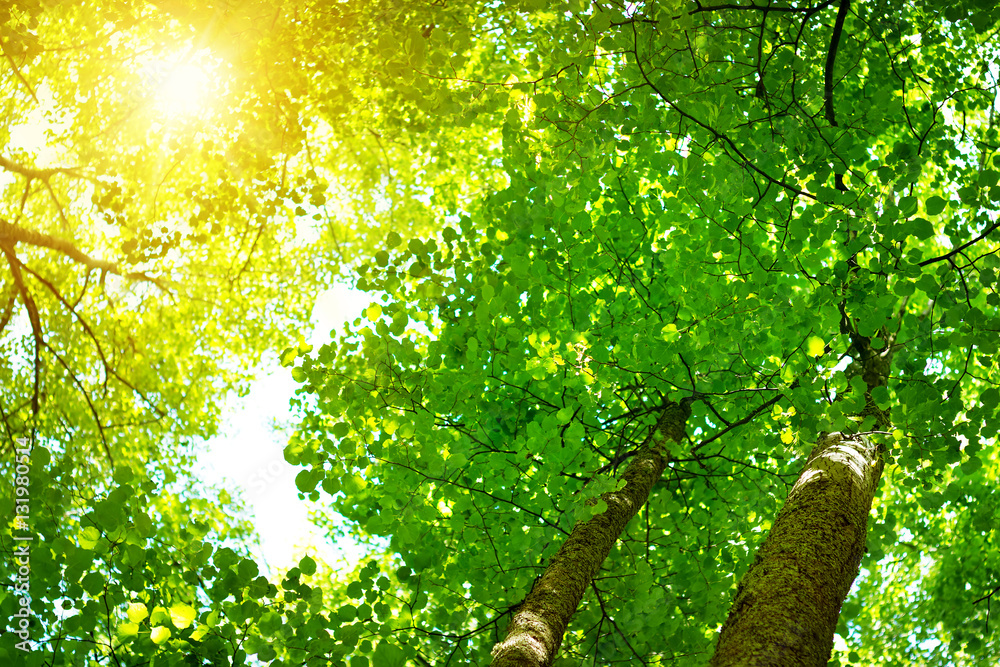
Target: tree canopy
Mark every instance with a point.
(596, 235)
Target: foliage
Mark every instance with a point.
(722, 202)
(149, 257)
(566, 216)
(122, 220)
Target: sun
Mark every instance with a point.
(184, 90)
(184, 84)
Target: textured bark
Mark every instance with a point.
(786, 607)
(536, 630)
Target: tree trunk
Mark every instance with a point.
(536, 630)
(786, 607)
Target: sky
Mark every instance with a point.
(246, 458)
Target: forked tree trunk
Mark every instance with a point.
(536, 630)
(786, 607)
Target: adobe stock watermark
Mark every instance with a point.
(22, 544)
(266, 476)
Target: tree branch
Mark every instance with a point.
(87, 398)
(749, 418)
(108, 368)
(29, 304)
(743, 159)
(960, 248)
(831, 58)
(762, 8)
(20, 77)
(12, 234)
(8, 310)
(40, 174)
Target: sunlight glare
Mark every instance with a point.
(184, 90)
(37, 134)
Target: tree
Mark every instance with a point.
(779, 214)
(762, 231)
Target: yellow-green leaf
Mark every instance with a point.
(128, 629)
(89, 537)
(815, 346)
(159, 615)
(160, 634)
(182, 615)
(137, 612)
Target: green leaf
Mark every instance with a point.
(128, 629)
(347, 613)
(159, 615)
(990, 398)
(934, 205)
(881, 397)
(93, 583)
(307, 565)
(388, 655)
(306, 481)
(972, 465)
(921, 228)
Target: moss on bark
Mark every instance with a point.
(786, 607)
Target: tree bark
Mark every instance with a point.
(786, 607)
(11, 234)
(536, 629)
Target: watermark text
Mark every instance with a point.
(22, 544)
